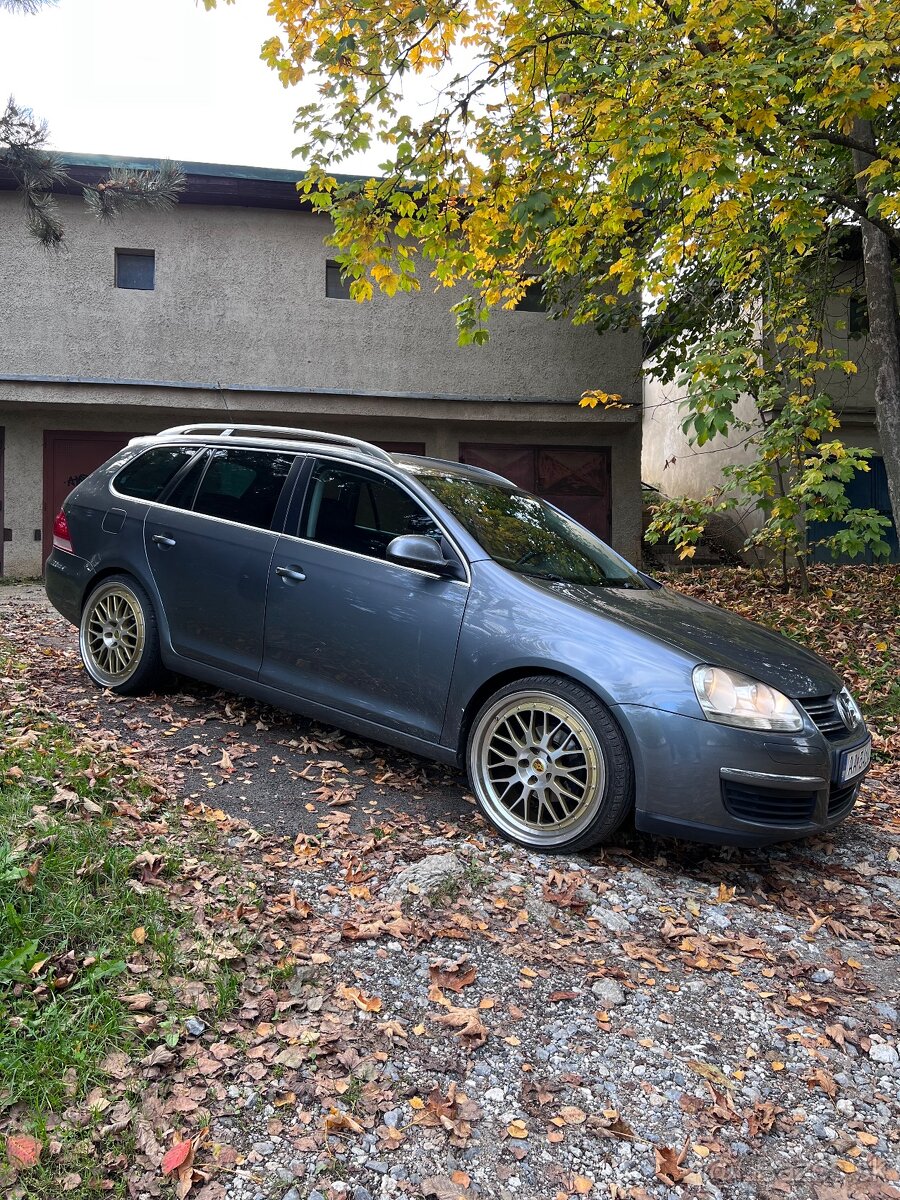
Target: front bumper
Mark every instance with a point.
(706, 782)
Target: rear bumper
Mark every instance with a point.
(705, 782)
(66, 579)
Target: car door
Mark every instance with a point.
(345, 627)
(209, 546)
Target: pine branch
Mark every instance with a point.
(125, 189)
(25, 6)
(35, 171)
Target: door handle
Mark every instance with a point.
(293, 573)
(163, 539)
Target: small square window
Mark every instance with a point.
(533, 299)
(136, 269)
(336, 286)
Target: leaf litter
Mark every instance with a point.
(648, 1020)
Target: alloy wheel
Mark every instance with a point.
(538, 768)
(113, 635)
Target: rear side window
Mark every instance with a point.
(243, 486)
(147, 475)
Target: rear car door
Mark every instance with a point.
(350, 630)
(209, 546)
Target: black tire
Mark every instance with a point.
(118, 637)
(584, 790)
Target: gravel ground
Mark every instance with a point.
(429, 1012)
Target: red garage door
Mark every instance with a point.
(574, 478)
(69, 457)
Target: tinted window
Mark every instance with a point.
(243, 486)
(148, 474)
(184, 491)
(529, 536)
(355, 510)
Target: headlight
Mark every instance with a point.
(849, 709)
(734, 699)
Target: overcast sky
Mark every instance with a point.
(154, 78)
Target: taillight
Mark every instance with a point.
(61, 538)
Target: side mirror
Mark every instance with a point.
(416, 550)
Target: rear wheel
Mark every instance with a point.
(549, 766)
(118, 637)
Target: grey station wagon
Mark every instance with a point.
(439, 608)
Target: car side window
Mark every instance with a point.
(354, 509)
(146, 476)
(243, 486)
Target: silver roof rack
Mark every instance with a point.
(304, 435)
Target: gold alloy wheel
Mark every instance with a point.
(538, 768)
(112, 635)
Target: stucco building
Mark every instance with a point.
(225, 307)
(671, 464)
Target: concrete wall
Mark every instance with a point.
(240, 299)
(28, 409)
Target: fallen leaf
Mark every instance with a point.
(23, 1151)
(176, 1156)
(517, 1129)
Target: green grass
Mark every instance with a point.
(67, 912)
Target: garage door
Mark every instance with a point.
(574, 478)
(69, 457)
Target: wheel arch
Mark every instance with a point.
(523, 671)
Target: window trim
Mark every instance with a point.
(134, 253)
(284, 500)
(145, 450)
(300, 495)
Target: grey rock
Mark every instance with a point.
(608, 992)
(884, 1052)
(428, 875)
(717, 919)
(264, 1148)
(293, 1194)
(615, 922)
(284, 1174)
(312, 1196)
(887, 1011)
(361, 1193)
(845, 1107)
(195, 1026)
(393, 1118)
(823, 975)
(495, 1095)
(379, 1168)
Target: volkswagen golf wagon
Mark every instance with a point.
(441, 609)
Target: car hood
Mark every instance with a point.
(707, 633)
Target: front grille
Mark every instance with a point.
(841, 800)
(824, 714)
(768, 805)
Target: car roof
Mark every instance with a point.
(309, 441)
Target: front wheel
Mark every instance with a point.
(118, 637)
(549, 766)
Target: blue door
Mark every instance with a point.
(346, 628)
(867, 489)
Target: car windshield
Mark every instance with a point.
(529, 536)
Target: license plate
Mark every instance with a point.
(854, 762)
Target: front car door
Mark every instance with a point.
(209, 546)
(345, 627)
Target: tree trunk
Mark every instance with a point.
(884, 327)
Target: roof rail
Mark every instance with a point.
(306, 435)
